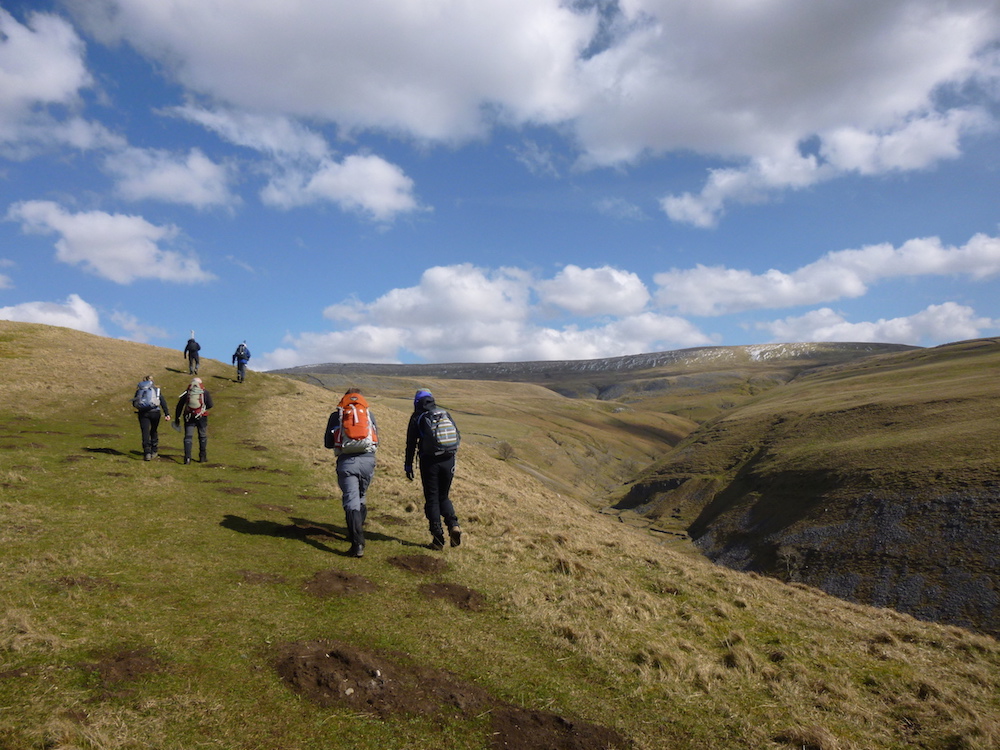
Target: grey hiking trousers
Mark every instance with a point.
(354, 473)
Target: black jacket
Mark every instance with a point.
(182, 406)
(415, 444)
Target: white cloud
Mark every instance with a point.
(304, 171)
(365, 343)
(945, 322)
(867, 82)
(42, 72)
(428, 69)
(136, 329)
(366, 184)
(274, 135)
(40, 63)
(455, 294)
(73, 313)
(117, 247)
(154, 174)
(846, 273)
(916, 145)
(468, 314)
(595, 291)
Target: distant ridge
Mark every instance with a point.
(703, 358)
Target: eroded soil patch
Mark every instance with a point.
(460, 596)
(423, 564)
(123, 666)
(331, 673)
(337, 583)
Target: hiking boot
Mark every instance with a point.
(437, 544)
(455, 533)
(147, 457)
(356, 550)
(153, 456)
(187, 460)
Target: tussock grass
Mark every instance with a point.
(105, 555)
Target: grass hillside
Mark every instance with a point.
(877, 481)
(583, 448)
(152, 604)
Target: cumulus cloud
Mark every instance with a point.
(304, 171)
(365, 184)
(274, 135)
(945, 322)
(868, 83)
(426, 69)
(595, 291)
(154, 174)
(465, 313)
(117, 247)
(718, 290)
(42, 72)
(73, 313)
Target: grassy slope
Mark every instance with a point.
(103, 553)
(884, 471)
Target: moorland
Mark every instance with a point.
(153, 604)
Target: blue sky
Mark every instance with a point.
(500, 180)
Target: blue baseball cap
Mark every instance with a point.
(422, 393)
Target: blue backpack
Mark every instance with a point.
(147, 396)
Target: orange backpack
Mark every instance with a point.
(355, 432)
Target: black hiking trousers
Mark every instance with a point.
(201, 425)
(149, 424)
(436, 475)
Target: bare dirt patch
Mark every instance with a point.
(337, 583)
(423, 564)
(124, 666)
(460, 596)
(334, 674)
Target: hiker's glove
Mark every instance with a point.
(409, 471)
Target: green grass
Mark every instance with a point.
(193, 571)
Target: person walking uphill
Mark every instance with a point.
(352, 433)
(192, 410)
(191, 355)
(433, 437)
(240, 358)
(149, 404)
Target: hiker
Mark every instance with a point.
(149, 404)
(191, 355)
(433, 437)
(353, 434)
(240, 358)
(192, 410)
